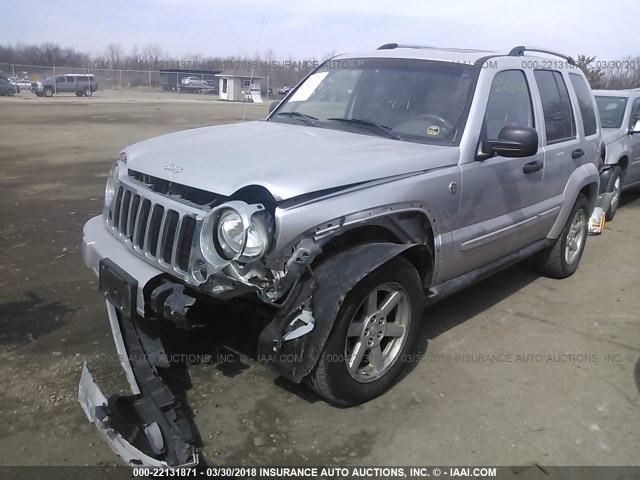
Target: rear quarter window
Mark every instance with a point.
(585, 102)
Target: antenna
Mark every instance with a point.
(246, 100)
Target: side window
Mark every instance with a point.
(556, 106)
(585, 103)
(60, 80)
(224, 85)
(509, 103)
(635, 113)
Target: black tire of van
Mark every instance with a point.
(87, 92)
(48, 92)
(79, 94)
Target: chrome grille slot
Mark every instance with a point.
(134, 211)
(155, 223)
(124, 212)
(169, 235)
(116, 210)
(186, 234)
(141, 224)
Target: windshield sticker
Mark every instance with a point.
(307, 88)
(433, 130)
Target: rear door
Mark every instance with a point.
(561, 141)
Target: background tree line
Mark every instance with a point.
(623, 73)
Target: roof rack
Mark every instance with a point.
(392, 46)
(519, 51)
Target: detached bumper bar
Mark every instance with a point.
(597, 219)
(148, 427)
(95, 406)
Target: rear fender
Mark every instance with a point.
(580, 178)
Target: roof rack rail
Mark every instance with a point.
(392, 46)
(519, 51)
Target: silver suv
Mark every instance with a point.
(383, 182)
(82, 84)
(620, 118)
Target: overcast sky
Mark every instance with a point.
(311, 28)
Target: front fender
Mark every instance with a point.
(323, 291)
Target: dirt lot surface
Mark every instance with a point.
(518, 369)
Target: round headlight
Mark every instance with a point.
(110, 187)
(235, 243)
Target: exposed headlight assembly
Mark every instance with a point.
(240, 240)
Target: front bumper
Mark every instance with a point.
(148, 427)
(98, 243)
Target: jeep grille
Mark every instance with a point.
(151, 229)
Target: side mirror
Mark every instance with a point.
(274, 105)
(635, 128)
(514, 142)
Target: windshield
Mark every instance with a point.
(611, 110)
(403, 99)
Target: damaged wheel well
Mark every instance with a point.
(420, 256)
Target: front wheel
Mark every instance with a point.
(374, 331)
(614, 185)
(48, 92)
(562, 259)
(87, 92)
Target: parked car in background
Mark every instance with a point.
(23, 83)
(194, 82)
(8, 89)
(422, 173)
(620, 119)
(78, 83)
(284, 90)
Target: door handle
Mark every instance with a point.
(577, 153)
(533, 166)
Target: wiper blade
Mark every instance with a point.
(308, 119)
(383, 129)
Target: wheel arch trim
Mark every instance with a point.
(584, 179)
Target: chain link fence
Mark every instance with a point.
(178, 81)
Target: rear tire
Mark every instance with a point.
(562, 259)
(614, 185)
(373, 340)
(79, 94)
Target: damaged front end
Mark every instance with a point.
(160, 256)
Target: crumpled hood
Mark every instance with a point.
(288, 160)
(610, 135)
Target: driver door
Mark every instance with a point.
(499, 197)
